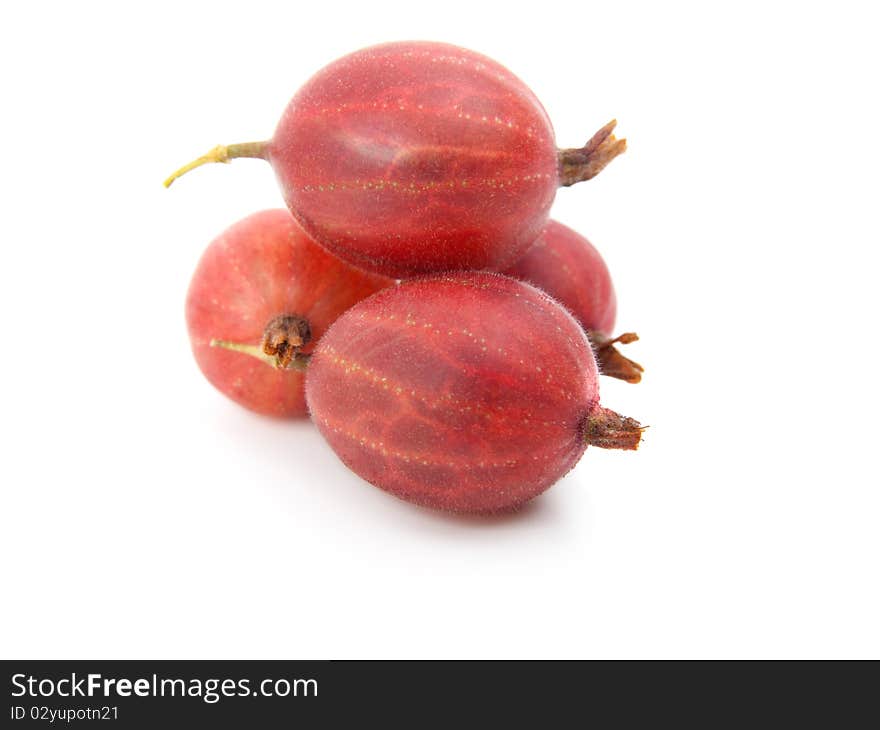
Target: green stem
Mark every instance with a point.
(252, 350)
(222, 153)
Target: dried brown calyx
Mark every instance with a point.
(283, 339)
(609, 430)
(609, 359)
(582, 163)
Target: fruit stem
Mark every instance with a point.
(611, 362)
(252, 350)
(283, 338)
(577, 164)
(609, 430)
(298, 362)
(222, 153)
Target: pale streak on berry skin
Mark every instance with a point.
(450, 113)
(455, 57)
(413, 189)
(449, 403)
(411, 457)
(437, 330)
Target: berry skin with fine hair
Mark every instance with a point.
(569, 268)
(467, 392)
(417, 157)
(262, 294)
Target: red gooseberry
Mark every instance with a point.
(262, 294)
(416, 157)
(469, 392)
(568, 267)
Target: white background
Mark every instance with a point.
(143, 515)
